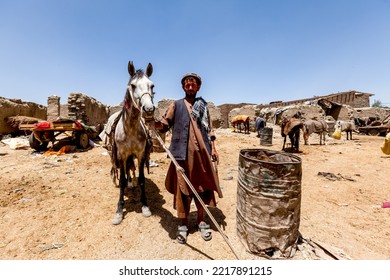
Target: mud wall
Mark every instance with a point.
(17, 107)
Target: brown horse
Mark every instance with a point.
(291, 128)
(241, 119)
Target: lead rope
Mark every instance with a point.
(181, 170)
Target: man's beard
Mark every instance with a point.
(190, 95)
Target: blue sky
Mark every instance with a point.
(252, 51)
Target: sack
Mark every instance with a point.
(337, 134)
(386, 146)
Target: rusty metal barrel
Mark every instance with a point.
(269, 202)
(266, 134)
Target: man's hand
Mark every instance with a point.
(214, 155)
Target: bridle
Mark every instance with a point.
(136, 104)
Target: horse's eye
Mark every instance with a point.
(133, 87)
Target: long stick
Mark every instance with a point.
(181, 170)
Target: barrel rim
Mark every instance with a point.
(298, 159)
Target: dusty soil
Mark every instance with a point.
(61, 207)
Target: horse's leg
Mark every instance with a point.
(295, 146)
(284, 142)
(121, 202)
(130, 166)
(141, 182)
(296, 140)
(132, 181)
(306, 138)
(291, 136)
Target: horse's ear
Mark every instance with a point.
(131, 68)
(149, 70)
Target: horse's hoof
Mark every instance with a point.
(146, 211)
(117, 219)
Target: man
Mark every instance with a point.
(193, 147)
(259, 123)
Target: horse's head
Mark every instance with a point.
(140, 90)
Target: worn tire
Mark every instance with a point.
(35, 144)
(82, 140)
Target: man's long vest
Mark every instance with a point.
(180, 131)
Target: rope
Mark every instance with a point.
(181, 170)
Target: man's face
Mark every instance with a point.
(190, 87)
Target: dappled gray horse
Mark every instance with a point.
(129, 139)
(313, 126)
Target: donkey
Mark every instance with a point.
(129, 138)
(291, 127)
(347, 126)
(313, 126)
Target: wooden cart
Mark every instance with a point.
(42, 133)
(381, 128)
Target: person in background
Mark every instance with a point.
(259, 123)
(193, 147)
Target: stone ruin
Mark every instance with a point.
(79, 107)
(88, 109)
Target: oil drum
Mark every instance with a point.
(265, 134)
(269, 202)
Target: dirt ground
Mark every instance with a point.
(61, 207)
